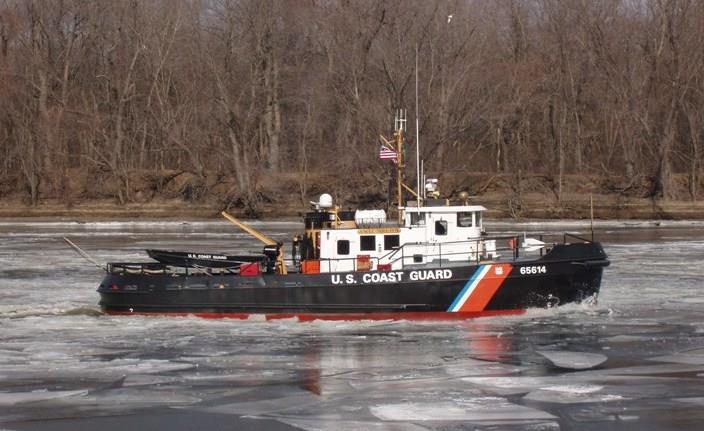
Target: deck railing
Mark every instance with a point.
(155, 268)
(508, 247)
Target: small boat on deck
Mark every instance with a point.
(195, 259)
(434, 260)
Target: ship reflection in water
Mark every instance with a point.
(352, 359)
(633, 361)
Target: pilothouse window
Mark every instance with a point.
(417, 219)
(343, 247)
(441, 227)
(464, 219)
(390, 242)
(367, 243)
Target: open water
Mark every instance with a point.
(634, 360)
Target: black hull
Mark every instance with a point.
(569, 273)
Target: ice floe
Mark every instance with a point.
(477, 410)
(574, 360)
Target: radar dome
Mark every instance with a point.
(325, 201)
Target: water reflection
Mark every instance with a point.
(487, 343)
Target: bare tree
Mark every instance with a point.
(244, 97)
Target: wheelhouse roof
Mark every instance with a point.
(444, 209)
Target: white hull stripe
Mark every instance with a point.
(469, 287)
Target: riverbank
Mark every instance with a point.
(500, 206)
(287, 194)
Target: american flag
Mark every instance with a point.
(386, 153)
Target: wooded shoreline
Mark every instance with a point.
(131, 104)
(539, 206)
(641, 209)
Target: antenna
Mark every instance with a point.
(417, 138)
(400, 120)
(422, 174)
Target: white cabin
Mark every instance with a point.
(428, 235)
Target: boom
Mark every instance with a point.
(280, 264)
(250, 230)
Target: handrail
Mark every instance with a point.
(577, 237)
(393, 256)
(440, 244)
(158, 268)
(467, 241)
(514, 251)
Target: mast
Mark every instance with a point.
(396, 145)
(399, 128)
(418, 174)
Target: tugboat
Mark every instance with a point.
(434, 261)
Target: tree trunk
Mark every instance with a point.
(272, 115)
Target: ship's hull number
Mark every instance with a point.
(530, 270)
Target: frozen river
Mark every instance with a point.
(635, 360)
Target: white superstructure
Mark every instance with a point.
(428, 235)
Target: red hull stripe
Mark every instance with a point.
(309, 317)
(479, 290)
